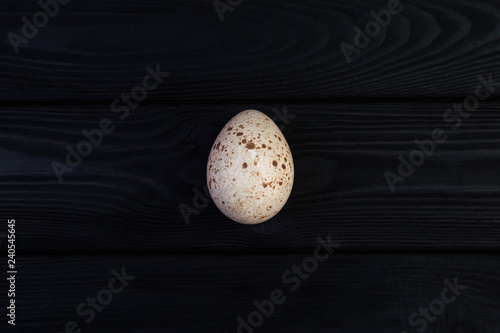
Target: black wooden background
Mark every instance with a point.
(346, 124)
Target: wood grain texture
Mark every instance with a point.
(348, 124)
(264, 50)
(346, 294)
(124, 197)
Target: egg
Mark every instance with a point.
(250, 170)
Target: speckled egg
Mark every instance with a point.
(250, 168)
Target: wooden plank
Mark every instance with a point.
(125, 196)
(346, 293)
(263, 50)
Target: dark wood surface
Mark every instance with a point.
(95, 50)
(347, 293)
(347, 124)
(125, 196)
